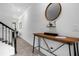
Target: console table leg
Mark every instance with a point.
(69, 49)
(39, 44)
(77, 49)
(74, 47)
(33, 44)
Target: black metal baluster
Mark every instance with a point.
(14, 40)
(11, 38)
(15, 46)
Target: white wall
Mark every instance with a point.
(68, 22)
(33, 20)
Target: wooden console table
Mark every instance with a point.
(67, 40)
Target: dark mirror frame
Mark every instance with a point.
(47, 9)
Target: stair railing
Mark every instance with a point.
(8, 35)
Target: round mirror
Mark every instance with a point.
(52, 12)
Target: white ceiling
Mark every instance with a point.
(12, 10)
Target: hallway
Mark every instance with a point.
(25, 49)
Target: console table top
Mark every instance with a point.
(58, 38)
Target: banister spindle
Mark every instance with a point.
(9, 36)
(2, 33)
(6, 35)
(12, 38)
(15, 46)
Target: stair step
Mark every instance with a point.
(6, 50)
(5, 42)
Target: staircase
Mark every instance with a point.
(7, 40)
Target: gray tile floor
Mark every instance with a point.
(25, 49)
